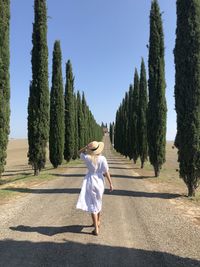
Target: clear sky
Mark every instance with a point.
(105, 41)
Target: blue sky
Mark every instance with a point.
(105, 41)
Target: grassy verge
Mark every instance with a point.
(169, 180)
(24, 180)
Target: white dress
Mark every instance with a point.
(90, 198)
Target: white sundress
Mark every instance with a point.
(90, 198)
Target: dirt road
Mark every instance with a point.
(139, 228)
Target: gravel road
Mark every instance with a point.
(139, 228)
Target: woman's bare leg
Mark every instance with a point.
(95, 222)
(98, 218)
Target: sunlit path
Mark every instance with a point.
(139, 227)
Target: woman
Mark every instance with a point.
(90, 198)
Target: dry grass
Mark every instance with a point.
(19, 174)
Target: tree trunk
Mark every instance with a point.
(36, 171)
(191, 190)
(156, 170)
(142, 164)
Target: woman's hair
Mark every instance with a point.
(94, 159)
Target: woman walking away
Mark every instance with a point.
(90, 198)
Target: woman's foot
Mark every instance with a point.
(95, 232)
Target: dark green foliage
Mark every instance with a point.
(157, 103)
(57, 127)
(4, 80)
(111, 132)
(142, 116)
(134, 124)
(38, 105)
(80, 122)
(69, 114)
(76, 139)
(85, 119)
(187, 91)
(130, 122)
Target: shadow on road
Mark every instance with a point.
(130, 176)
(68, 253)
(52, 230)
(121, 168)
(69, 175)
(116, 192)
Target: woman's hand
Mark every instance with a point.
(111, 187)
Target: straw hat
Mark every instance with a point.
(95, 148)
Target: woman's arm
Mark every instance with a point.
(82, 150)
(107, 174)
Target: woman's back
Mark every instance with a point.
(97, 164)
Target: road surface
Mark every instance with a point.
(139, 228)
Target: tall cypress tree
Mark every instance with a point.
(130, 121)
(4, 80)
(157, 103)
(56, 134)
(142, 116)
(125, 126)
(111, 132)
(38, 105)
(85, 119)
(80, 122)
(69, 114)
(76, 141)
(134, 137)
(187, 91)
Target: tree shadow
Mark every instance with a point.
(76, 167)
(44, 191)
(68, 175)
(119, 163)
(131, 177)
(52, 230)
(69, 253)
(121, 168)
(116, 192)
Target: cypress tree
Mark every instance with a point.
(142, 116)
(56, 134)
(111, 132)
(38, 105)
(4, 80)
(125, 126)
(80, 122)
(130, 121)
(134, 137)
(187, 91)
(157, 103)
(69, 114)
(85, 119)
(76, 141)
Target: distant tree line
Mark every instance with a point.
(130, 129)
(140, 126)
(63, 118)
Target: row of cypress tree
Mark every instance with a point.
(130, 130)
(140, 127)
(71, 123)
